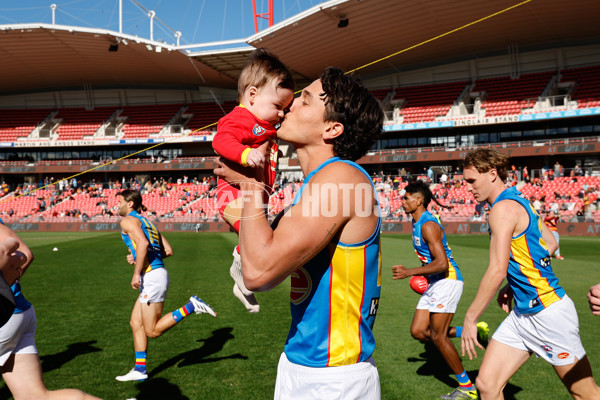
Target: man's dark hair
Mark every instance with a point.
(348, 102)
(135, 196)
(418, 186)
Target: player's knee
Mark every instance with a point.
(485, 386)
(438, 337)
(420, 334)
(153, 334)
(135, 325)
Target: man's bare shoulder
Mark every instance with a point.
(340, 172)
(128, 222)
(506, 213)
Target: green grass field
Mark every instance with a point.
(83, 300)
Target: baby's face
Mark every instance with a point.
(270, 102)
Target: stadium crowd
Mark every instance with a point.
(574, 196)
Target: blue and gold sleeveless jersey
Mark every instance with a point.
(422, 249)
(530, 273)
(334, 299)
(21, 303)
(153, 236)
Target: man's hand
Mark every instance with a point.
(400, 272)
(234, 173)
(594, 299)
(468, 339)
(130, 258)
(505, 298)
(135, 281)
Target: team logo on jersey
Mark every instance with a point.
(562, 356)
(417, 240)
(545, 262)
(534, 303)
(301, 285)
(374, 306)
(258, 130)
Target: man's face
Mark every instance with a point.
(410, 202)
(271, 102)
(479, 184)
(123, 206)
(306, 115)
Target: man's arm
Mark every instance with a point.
(132, 227)
(548, 237)
(326, 209)
(503, 220)
(24, 255)
(167, 250)
(433, 235)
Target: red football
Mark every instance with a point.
(419, 284)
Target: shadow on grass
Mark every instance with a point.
(211, 345)
(435, 365)
(159, 388)
(54, 361)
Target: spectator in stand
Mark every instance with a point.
(551, 221)
(577, 171)
(557, 168)
(430, 174)
(537, 205)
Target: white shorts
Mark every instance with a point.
(154, 285)
(442, 296)
(17, 336)
(349, 382)
(552, 333)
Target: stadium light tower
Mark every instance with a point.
(53, 8)
(151, 14)
(268, 15)
(178, 36)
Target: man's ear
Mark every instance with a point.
(333, 130)
(493, 174)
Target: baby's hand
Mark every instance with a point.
(257, 157)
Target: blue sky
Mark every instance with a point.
(199, 21)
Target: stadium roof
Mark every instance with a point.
(44, 57)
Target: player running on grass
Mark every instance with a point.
(544, 320)
(148, 249)
(437, 305)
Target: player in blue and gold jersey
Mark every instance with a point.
(147, 249)
(328, 241)
(544, 320)
(438, 304)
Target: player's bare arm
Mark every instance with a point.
(132, 227)
(270, 256)
(433, 235)
(167, 249)
(549, 238)
(6, 232)
(503, 221)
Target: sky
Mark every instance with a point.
(199, 21)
